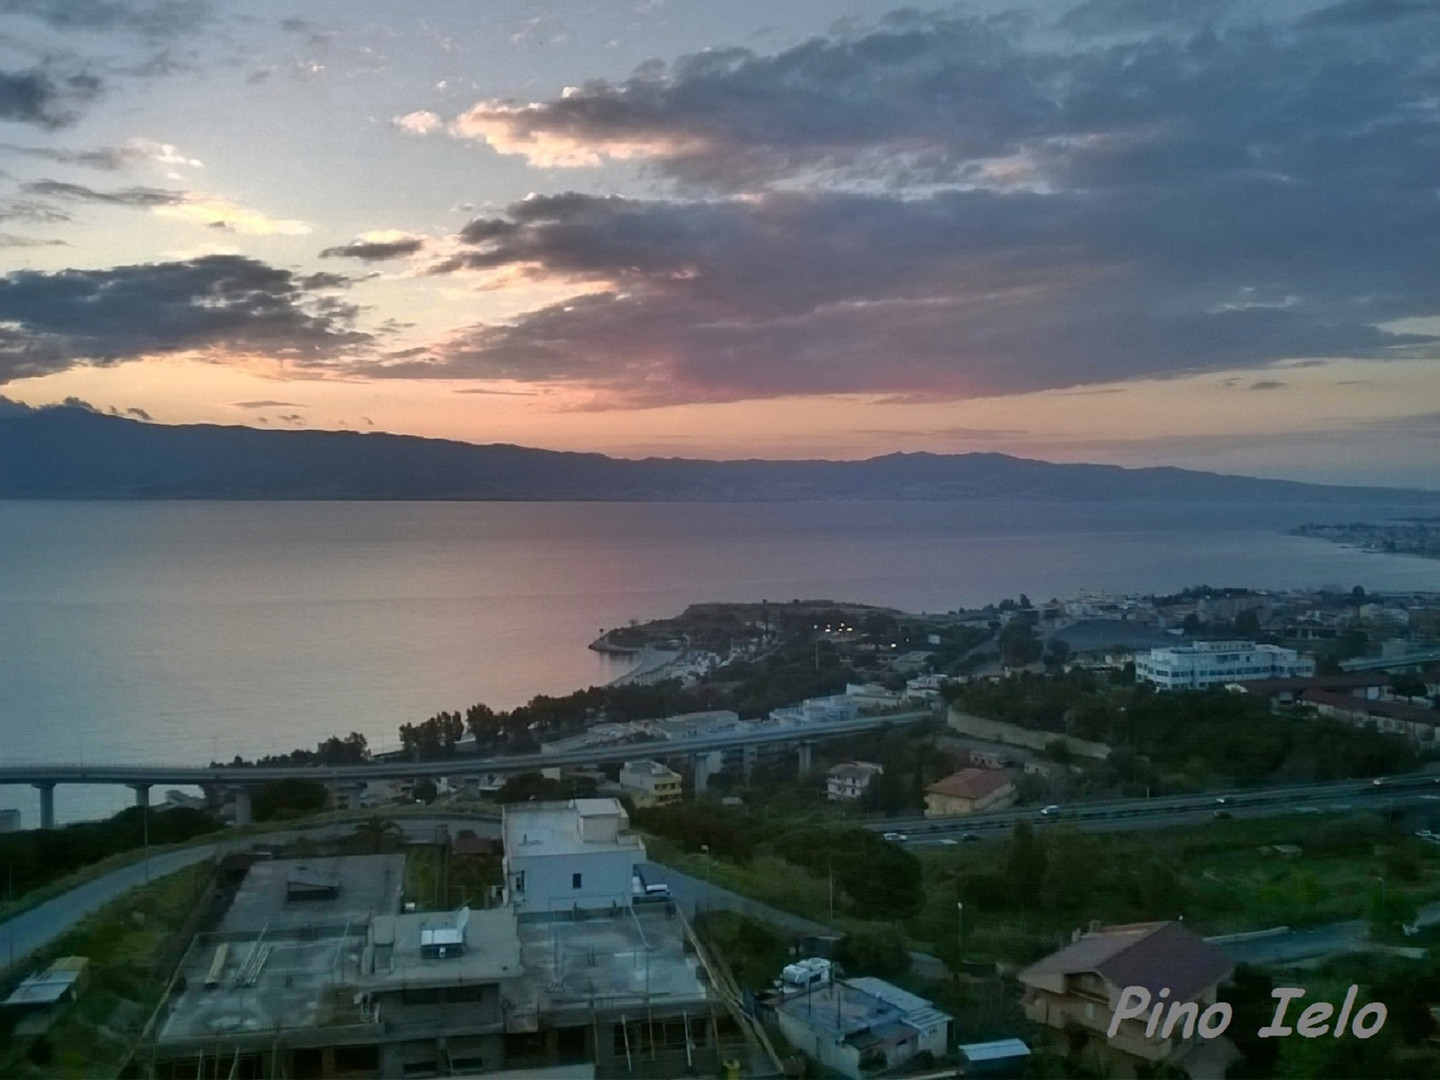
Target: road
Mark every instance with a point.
(1395, 793)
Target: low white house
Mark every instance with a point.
(570, 856)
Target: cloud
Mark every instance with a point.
(962, 293)
(141, 197)
(943, 207)
(421, 122)
(50, 322)
(10, 240)
(269, 405)
(1266, 384)
(44, 98)
(158, 19)
(109, 158)
(190, 207)
(373, 247)
(134, 410)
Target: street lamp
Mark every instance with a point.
(706, 849)
(959, 934)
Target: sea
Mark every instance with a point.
(190, 632)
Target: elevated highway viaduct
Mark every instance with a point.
(244, 778)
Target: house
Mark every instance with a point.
(648, 783)
(969, 791)
(850, 780)
(857, 1027)
(1414, 722)
(569, 856)
(1078, 989)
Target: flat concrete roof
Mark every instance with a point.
(366, 885)
(610, 963)
(491, 954)
(554, 828)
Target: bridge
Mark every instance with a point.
(242, 778)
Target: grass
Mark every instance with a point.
(122, 941)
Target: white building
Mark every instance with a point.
(850, 780)
(861, 1026)
(649, 783)
(569, 856)
(1215, 663)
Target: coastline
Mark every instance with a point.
(651, 666)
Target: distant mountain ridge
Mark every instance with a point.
(72, 453)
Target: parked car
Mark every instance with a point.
(896, 837)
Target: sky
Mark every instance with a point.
(1202, 233)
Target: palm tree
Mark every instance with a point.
(375, 831)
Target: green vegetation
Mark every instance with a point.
(125, 943)
(284, 800)
(1184, 741)
(873, 879)
(34, 858)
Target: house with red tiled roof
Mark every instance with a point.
(1078, 989)
(970, 791)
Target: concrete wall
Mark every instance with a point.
(549, 882)
(1001, 731)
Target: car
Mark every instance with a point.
(1222, 800)
(1310, 809)
(971, 837)
(896, 837)
(1222, 815)
(947, 842)
(1380, 781)
(1050, 811)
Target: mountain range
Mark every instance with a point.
(77, 453)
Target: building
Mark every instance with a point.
(850, 780)
(33, 1005)
(9, 821)
(569, 856)
(394, 993)
(1414, 722)
(1214, 663)
(858, 1027)
(1078, 989)
(648, 783)
(969, 791)
(1001, 1058)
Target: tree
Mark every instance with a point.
(1247, 623)
(1026, 863)
(289, 799)
(376, 832)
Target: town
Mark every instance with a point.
(798, 838)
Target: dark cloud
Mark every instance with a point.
(139, 197)
(134, 410)
(937, 207)
(374, 250)
(31, 210)
(1360, 13)
(109, 158)
(269, 404)
(44, 98)
(51, 322)
(155, 19)
(1266, 384)
(9, 240)
(12, 408)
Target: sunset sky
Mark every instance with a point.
(1187, 232)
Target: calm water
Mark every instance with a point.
(185, 632)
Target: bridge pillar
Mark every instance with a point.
(806, 764)
(749, 754)
(242, 805)
(142, 795)
(706, 766)
(47, 804)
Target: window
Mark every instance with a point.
(575, 881)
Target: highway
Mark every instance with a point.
(1394, 793)
(461, 765)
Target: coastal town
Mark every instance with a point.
(916, 865)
